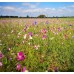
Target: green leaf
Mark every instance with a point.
(4, 60)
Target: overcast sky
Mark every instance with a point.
(37, 8)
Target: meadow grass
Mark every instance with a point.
(47, 44)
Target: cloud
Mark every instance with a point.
(30, 5)
(35, 11)
(9, 8)
(72, 6)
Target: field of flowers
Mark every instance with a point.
(36, 45)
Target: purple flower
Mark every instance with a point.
(47, 22)
(59, 29)
(18, 67)
(20, 56)
(26, 27)
(30, 33)
(1, 55)
(10, 59)
(35, 22)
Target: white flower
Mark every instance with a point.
(12, 31)
(30, 37)
(25, 36)
(36, 47)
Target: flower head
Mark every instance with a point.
(30, 33)
(35, 22)
(47, 22)
(1, 55)
(36, 46)
(44, 31)
(20, 56)
(9, 49)
(30, 37)
(25, 36)
(24, 69)
(1, 64)
(59, 29)
(18, 67)
(44, 37)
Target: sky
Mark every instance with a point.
(34, 9)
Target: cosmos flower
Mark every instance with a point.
(59, 29)
(26, 28)
(9, 49)
(1, 64)
(20, 56)
(47, 22)
(56, 33)
(36, 35)
(25, 36)
(18, 67)
(44, 37)
(24, 69)
(30, 33)
(10, 59)
(30, 37)
(44, 31)
(35, 23)
(1, 55)
(36, 46)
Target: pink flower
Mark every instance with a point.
(1, 64)
(36, 47)
(30, 33)
(20, 56)
(18, 67)
(44, 31)
(1, 55)
(59, 29)
(24, 69)
(44, 37)
(9, 49)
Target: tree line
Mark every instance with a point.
(40, 16)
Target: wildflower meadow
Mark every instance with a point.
(36, 44)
